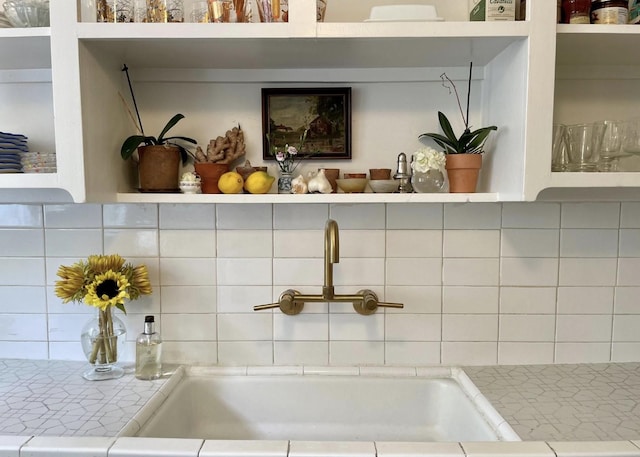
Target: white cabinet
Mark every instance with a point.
(213, 73)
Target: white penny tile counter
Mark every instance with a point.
(586, 410)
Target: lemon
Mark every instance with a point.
(258, 182)
(230, 183)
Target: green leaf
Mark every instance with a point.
(173, 121)
(480, 137)
(131, 144)
(120, 306)
(447, 129)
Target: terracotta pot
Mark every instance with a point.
(209, 175)
(355, 175)
(332, 174)
(462, 170)
(159, 168)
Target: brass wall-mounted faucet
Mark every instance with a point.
(365, 301)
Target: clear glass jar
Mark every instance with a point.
(114, 10)
(431, 181)
(576, 11)
(165, 11)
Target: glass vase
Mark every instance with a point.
(430, 181)
(284, 182)
(114, 10)
(103, 342)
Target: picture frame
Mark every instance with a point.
(324, 112)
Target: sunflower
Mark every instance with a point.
(107, 289)
(103, 263)
(71, 286)
(140, 280)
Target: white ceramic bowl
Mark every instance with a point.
(352, 185)
(384, 186)
(403, 13)
(190, 187)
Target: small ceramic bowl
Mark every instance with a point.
(190, 187)
(384, 186)
(352, 185)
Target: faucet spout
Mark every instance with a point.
(331, 256)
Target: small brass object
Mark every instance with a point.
(365, 302)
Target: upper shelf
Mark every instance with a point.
(327, 45)
(590, 44)
(308, 198)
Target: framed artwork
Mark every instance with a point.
(324, 113)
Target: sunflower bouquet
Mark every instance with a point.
(103, 281)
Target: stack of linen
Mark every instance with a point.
(12, 146)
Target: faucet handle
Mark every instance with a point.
(369, 303)
(287, 303)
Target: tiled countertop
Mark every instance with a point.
(583, 402)
(46, 397)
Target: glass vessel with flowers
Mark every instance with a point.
(428, 167)
(288, 159)
(104, 282)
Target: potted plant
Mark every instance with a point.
(158, 158)
(464, 152)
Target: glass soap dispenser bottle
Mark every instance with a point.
(148, 352)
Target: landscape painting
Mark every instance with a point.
(324, 113)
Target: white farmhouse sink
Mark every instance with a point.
(439, 404)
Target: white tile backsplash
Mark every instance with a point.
(415, 216)
(469, 327)
(298, 243)
(131, 242)
(130, 215)
(585, 300)
(481, 283)
(368, 216)
(528, 300)
(590, 215)
(628, 272)
(414, 272)
(73, 242)
(22, 242)
(470, 272)
(23, 299)
(466, 216)
(529, 243)
(528, 271)
(588, 243)
(469, 353)
(244, 217)
(300, 216)
(630, 215)
(587, 272)
(189, 217)
(23, 216)
(471, 243)
(470, 300)
(305, 327)
(626, 300)
(533, 216)
(414, 243)
(188, 243)
(73, 216)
